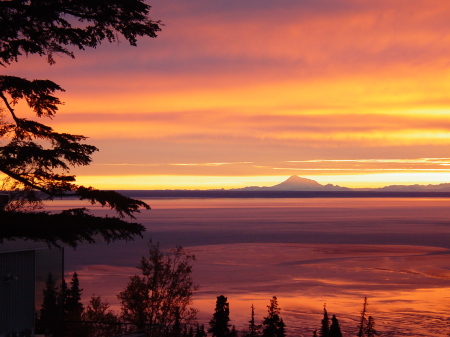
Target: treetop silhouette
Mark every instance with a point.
(48, 27)
(220, 323)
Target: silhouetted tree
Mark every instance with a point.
(200, 331)
(325, 327)
(73, 298)
(177, 328)
(73, 308)
(233, 332)
(220, 323)
(273, 325)
(188, 331)
(282, 329)
(253, 328)
(50, 27)
(371, 332)
(35, 159)
(335, 329)
(69, 227)
(363, 320)
(106, 321)
(50, 318)
(61, 300)
(162, 293)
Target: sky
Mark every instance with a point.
(241, 93)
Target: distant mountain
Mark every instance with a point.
(445, 187)
(296, 183)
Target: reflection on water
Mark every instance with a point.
(307, 252)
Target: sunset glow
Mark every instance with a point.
(353, 93)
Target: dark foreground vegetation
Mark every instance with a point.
(157, 303)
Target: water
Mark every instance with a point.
(307, 252)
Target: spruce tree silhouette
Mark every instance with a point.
(51, 316)
(371, 332)
(233, 332)
(253, 328)
(200, 331)
(363, 320)
(35, 160)
(73, 308)
(325, 328)
(273, 325)
(335, 329)
(220, 323)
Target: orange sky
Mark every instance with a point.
(237, 93)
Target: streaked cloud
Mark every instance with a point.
(351, 173)
(265, 88)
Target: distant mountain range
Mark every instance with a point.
(296, 183)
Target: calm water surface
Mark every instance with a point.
(307, 252)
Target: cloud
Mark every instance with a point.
(281, 169)
(263, 81)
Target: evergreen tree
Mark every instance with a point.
(220, 326)
(200, 331)
(335, 329)
(53, 27)
(62, 297)
(253, 329)
(371, 332)
(325, 328)
(363, 320)
(233, 332)
(74, 308)
(273, 325)
(73, 299)
(35, 160)
(49, 306)
(61, 302)
(281, 328)
(50, 315)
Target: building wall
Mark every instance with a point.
(17, 292)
